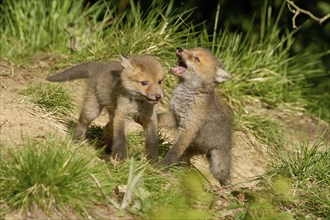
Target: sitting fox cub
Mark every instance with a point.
(129, 90)
(202, 119)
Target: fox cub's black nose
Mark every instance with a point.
(158, 96)
(179, 49)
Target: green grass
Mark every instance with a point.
(260, 62)
(263, 69)
(258, 204)
(54, 175)
(156, 31)
(53, 98)
(182, 199)
(31, 26)
(266, 130)
(153, 193)
(97, 32)
(296, 186)
(146, 189)
(59, 175)
(307, 170)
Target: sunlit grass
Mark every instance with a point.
(307, 170)
(54, 175)
(259, 62)
(263, 69)
(56, 26)
(53, 98)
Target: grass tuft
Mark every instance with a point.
(57, 26)
(263, 69)
(54, 175)
(267, 131)
(51, 97)
(308, 169)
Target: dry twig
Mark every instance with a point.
(296, 10)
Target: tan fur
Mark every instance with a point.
(129, 90)
(203, 121)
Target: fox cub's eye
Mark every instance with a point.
(144, 83)
(160, 82)
(197, 59)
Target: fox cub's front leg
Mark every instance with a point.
(150, 133)
(118, 149)
(182, 142)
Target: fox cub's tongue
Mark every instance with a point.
(178, 70)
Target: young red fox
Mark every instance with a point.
(203, 121)
(129, 90)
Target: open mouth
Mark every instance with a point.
(152, 101)
(148, 100)
(181, 64)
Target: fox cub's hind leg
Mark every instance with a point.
(91, 109)
(220, 165)
(108, 135)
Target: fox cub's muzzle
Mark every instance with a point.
(154, 98)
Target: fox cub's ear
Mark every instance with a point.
(125, 62)
(222, 75)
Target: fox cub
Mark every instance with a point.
(129, 90)
(203, 121)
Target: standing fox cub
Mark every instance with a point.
(203, 121)
(129, 90)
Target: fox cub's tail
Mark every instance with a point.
(81, 71)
